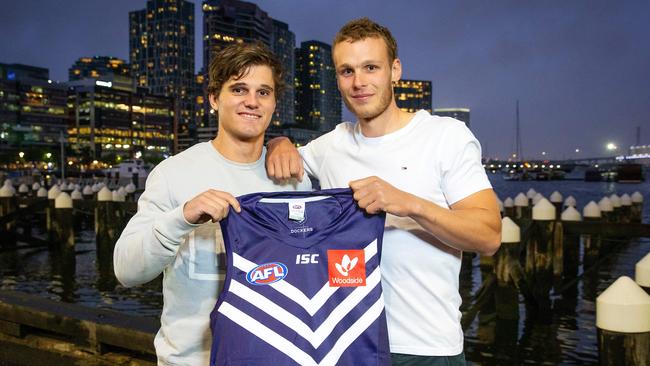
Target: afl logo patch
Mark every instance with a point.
(267, 273)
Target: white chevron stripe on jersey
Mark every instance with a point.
(290, 349)
(315, 338)
(310, 305)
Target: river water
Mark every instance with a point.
(565, 335)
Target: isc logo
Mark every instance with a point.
(267, 273)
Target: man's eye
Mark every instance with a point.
(238, 91)
(265, 93)
(371, 67)
(346, 72)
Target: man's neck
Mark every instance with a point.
(391, 120)
(237, 150)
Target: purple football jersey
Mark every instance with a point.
(303, 284)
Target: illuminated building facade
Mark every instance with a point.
(283, 44)
(33, 110)
(161, 47)
(318, 102)
(98, 66)
(112, 123)
(461, 114)
(413, 95)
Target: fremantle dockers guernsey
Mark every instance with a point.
(302, 284)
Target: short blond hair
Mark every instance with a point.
(362, 28)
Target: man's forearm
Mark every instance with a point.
(466, 229)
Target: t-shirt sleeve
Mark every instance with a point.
(463, 173)
(313, 154)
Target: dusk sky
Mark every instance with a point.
(580, 69)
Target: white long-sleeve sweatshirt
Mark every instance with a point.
(159, 240)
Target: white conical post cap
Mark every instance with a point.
(570, 214)
(63, 200)
(122, 191)
(8, 182)
(637, 197)
(616, 200)
(556, 197)
(42, 192)
(624, 307)
(510, 232)
(605, 205)
(104, 194)
(35, 186)
(88, 191)
(6, 191)
(537, 198)
(96, 187)
(23, 188)
(544, 210)
(76, 195)
(521, 200)
(130, 188)
(53, 192)
(626, 200)
(117, 196)
(591, 210)
(63, 186)
(508, 202)
(642, 271)
(531, 193)
(570, 201)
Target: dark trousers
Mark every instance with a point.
(399, 359)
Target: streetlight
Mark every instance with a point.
(21, 154)
(611, 146)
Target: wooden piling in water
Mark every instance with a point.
(623, 324)
(626, 208)
(7, 206)
(591, 243)
(571, 254)
(505, 261)
(105, 238)
(522, 207)
(509, 207)
(557, 200)
(63, 224)
(637, 207)
(539, 252)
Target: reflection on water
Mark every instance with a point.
(507, 334)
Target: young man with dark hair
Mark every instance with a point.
(176, 229)
(425, 172)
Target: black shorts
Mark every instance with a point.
(399, 359)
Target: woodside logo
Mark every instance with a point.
(346, 268)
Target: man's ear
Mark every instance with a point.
(214, 102)
(396, 70)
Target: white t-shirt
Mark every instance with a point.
(158, 239)
(435, 158)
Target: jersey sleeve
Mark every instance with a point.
(151, 239)
(462, 171)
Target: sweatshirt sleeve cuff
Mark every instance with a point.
(172, 227)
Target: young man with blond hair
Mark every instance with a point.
(425, 172)
(176, 229)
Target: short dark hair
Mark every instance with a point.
(362, 28)
(235, 59)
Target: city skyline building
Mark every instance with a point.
(114, 123)
(318, 101)
(97, 67)
(33, 110)
(413, 95)
(161, 52)
(461, 114)
(283, 44)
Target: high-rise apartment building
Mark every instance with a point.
(318, 101)
(161, 46)
(413, 95)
